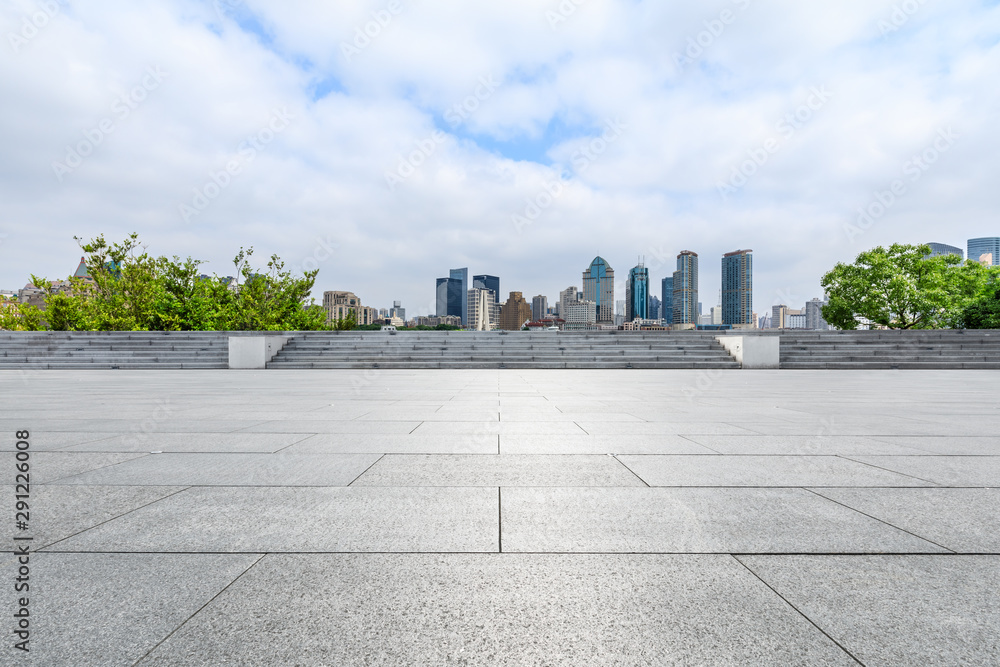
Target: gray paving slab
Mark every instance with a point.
(332, 426)
(662, 428)
(896, 610)
(791, 445)
(232, 470)
(484, 427)
(274, 520)
(719, 470)
(188, 442)
(946, 445)
(600, 444)
(334, 443)
(46, 441)
(107, 423)
(105, 610)
(48, 467)
(497, 470)
(943, 470)
(963, 520)
(391, 609)
(56, 512)
(662, 520)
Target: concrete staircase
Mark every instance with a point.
(516, 349)
(113, 349)
(942, 349)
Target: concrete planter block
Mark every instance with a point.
(753, 351)
(253, 352)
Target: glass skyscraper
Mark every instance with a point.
(462, 275)
(450, 297)
(599, 287)
(492, 283)
(737, 288)
(637, 294)
(686, 289)
(983, 249)
(667, 300)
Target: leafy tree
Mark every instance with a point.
(129, 290)
(902, 288)
(984, 314)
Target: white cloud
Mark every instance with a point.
(652, 191)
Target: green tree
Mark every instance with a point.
(984, 314)
(902, 288)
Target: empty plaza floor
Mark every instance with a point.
(502, 517)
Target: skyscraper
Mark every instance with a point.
(737, 288)
(449, 297)
(654, 308)
(599, 287)
(463, 276)
(491, 283)
(637, 294)
(515, 312)
(481, 309)
(985, 250)
(667, 300)
(686, 289)
(814, 315)
(938, 249)
(566, 297)
(539, 306)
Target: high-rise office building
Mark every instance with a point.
(515, 312)
(686, 289)
(654, 308)
(985, 250)
(599, 287)
(398, 310)
(637, 294)
(814, 315)
(580, 316)
(737, 288)
(539, 307)
(463, 276)
(938, 249)
(491, 283)
(566, 297)
(481, 309)
(449, 297)
(667, 300)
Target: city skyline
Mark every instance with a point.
(380, 161)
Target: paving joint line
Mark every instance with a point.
(366, 470)
(797, 610)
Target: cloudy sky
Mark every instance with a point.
(387, 141)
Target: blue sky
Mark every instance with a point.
(624, 129)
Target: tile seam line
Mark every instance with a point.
(895, 472)
(142, 455)
(853, 509)
(198, 611)
(482, 552)
(305, 437)
(615, 457)
(700, 445)
(363, 471)
(797, 610)
(134, 509)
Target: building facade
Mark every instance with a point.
(599, 287)
(566, 297)
(449, 297)
(737, 289)
(667, 300)
(481, 309)
(685, 284)
(539, 307)
(514, 313)
(985, 250)
(580, 316)
(814, 315)
(637, 294)
(461, 275)
(939, 249)
(339, 305)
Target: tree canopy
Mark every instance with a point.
(902, 287)
(130, 290)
